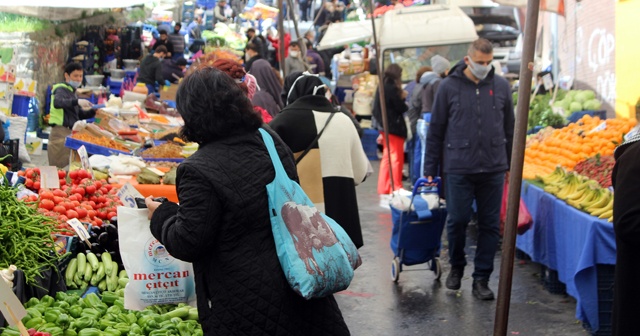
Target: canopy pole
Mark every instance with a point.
(383, 103)
(281, 38)
(517, 163)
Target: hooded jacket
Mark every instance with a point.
(417, 99)
(471, 128)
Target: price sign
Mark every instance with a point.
(11, 307)
(79, 228)
(49, 177)
(84, 160)
(128, 195)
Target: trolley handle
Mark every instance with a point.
(424, 182)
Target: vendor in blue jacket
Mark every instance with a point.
(469, 143)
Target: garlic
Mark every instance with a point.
(7, 275)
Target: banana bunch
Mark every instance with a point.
(580, 192)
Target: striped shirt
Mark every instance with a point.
(178, 42)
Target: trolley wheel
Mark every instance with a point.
(395, 269)
(437, 268)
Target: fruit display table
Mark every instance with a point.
(571, 242)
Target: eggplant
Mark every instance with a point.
(114, 220)
(96, 248)
(98, 230)
(112, 230)
(114, 246)
(103, 240)
(93, 237)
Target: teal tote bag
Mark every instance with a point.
(317, 256)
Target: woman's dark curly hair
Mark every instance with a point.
(214, 107)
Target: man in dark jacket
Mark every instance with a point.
(178, 42)
(471, 130)
(164, 41)
(172, 70)
(251, 54)
(151, 69)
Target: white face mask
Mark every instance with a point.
(294, 53)
(479, 71)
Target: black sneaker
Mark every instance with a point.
(454, 278)
(481, 290)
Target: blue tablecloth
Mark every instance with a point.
(571, 242)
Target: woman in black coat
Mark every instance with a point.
(626, 224)
(222, 223)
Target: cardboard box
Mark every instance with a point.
(169, 93)
(34, 145)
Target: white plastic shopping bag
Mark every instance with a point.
(155, 277)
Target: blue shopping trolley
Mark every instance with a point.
(415, 238)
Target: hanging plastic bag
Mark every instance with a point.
(524, 216)
(155, 276)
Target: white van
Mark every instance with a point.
(411, 36)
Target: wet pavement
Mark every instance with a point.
(420, 305)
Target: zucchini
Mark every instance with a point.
(102, 286)
(101, 271)
(71, 271)
(93, 261)
(88, 272)
(106, 260)
(123, 274)
(82, 262)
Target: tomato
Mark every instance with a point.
(98, 222)
(36, 185)
(111, 214)
(72, 214)
(60, 209)
(91, 214)
(63, 218)
(72, 198)
(29, 173)
(47, 195)
(109, 187)
(63, 182)
(73, 174)
(80, 191)
(59, 193)
(33, 198)
(102, 199)
(75, 203)
(82, 212)
(21, 173)
(90, 189)
(67, 205)
(47, 204)
(29, 183)
(36, 170)
(104, 190)
(57, 200)
(61, 174)
(98, 184)
(92, 204)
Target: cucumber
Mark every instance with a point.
(77, 278)
(82, 262)
(106, 260)
(123, 274)
(71, 271)
(94, 279)
(93, 261)
(114, 270)
(112, 280)
(102, 286)
(122, 282)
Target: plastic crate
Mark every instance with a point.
(91, 148)
(551, 282)
(369, 144)
(20, 105)
(575, 116)
(606, 275)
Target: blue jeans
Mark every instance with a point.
(461, 191)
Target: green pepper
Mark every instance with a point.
(120, 292)
(47, 300)
(63, 321)
(85, 322)
(104, 324)
(64, 305)
(102, 308)
(51, 315)
(70, 332)
(32, 302)
(109, 297)
(111, 332)
(131, 317)
(144, 320)
(72, 299)
(34, 323)
(182, 312)
(90, 332)
(185, 329)
(119, 302)
(150, 326)
(176, 320)
(11, 331)
(166, 323)
(115, 310)
(123, 328)
(53, 331)
(92, 300)
(198, 332)
(33, 312)
(136, 329)
(193, 314)
(61, 296)
(41, 308)
(75, 311)
(91, 312)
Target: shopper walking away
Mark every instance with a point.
(178, 42)
(222, 223)
(414, 113)
(397, 129)
(335, 162)
(268, 97)
(295, 62)
(251, 54)
(66, 109)
(151, 69)
(626, 224)
(471, 130)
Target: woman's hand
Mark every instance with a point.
(151, 205)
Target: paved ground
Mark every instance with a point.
(418, 305)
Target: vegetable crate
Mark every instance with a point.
(92, 148)
(605, 300)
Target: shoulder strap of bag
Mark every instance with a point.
(273, 153)
(315, 140)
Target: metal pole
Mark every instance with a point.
(515, 177)
(383, 103)
(281, 37)
(555, 66)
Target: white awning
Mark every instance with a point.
(342, 33)
(62, 10)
